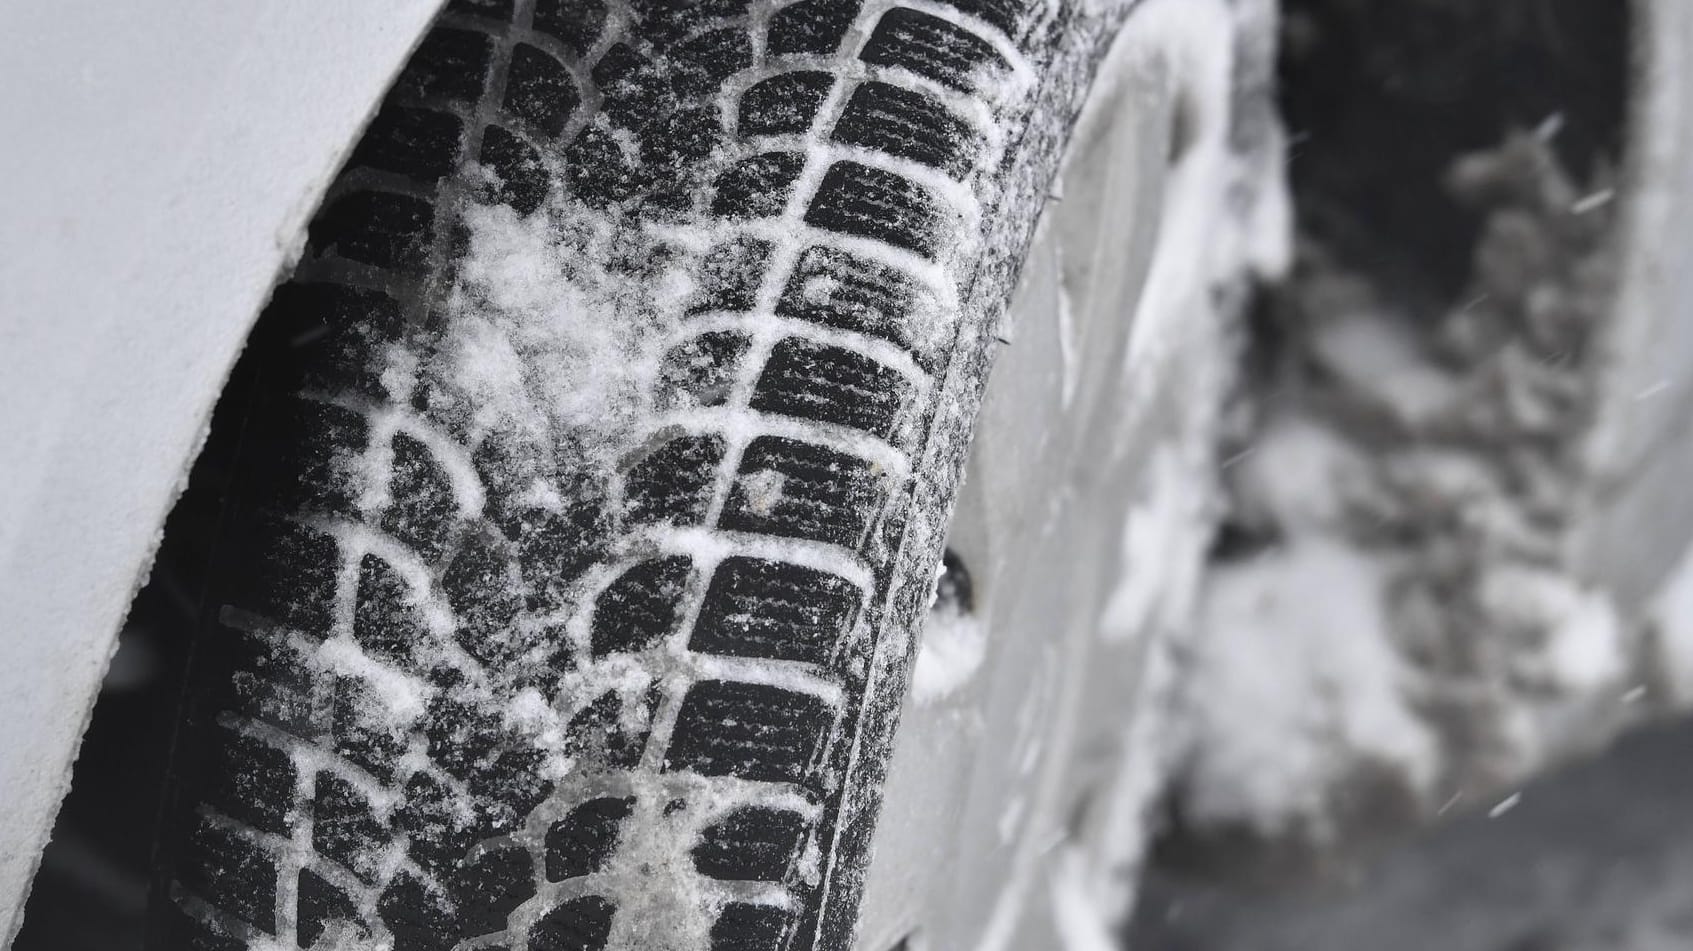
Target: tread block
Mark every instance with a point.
(598, 734)
(1004, 15)
(598, 171)
(575, 23)
(418, 919)
(232, 873)
(772, 609)
(582, 842)
(345, 828)
(431, 815)
(730, 275)
(370, 746)
(416, 142)
(359, 701)
(507, 786)
(461, 733)
(930, 47)
(753, 731)
(448, 64)
(490, 888)
(667, 21)
(783, 105)
(288, 709)
(757, 187)
(301, 460)
(581, 924)
(843, 290)
(701, 371)
(908, 125)
(294, 580)
(809, 380)
(507, 474)
(250, 781)
(676, 144)
(422, 511)
(811, 26)
(675, 482)
(481, 586)
(521, 177)
(617, 64)
(323, 335)
(742, 926)
(753, 843)
(643, 606)
(255, 649)
(376, 227)
(557, 547)
(871, 203)
(385, 623)
(800, 490)
(632, 89)
(320, 905)
(708, 59)
(540, 90)
(267, 681)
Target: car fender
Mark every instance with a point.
(163, 161)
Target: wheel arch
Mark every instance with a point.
(173, 156)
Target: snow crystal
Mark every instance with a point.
(1505, 805)
(1593, 201)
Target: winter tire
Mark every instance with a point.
(595, 473)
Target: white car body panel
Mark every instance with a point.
(163, 160)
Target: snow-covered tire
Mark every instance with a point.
(596, 471)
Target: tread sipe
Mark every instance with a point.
(593, 474)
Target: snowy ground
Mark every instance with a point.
(1596, 858)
